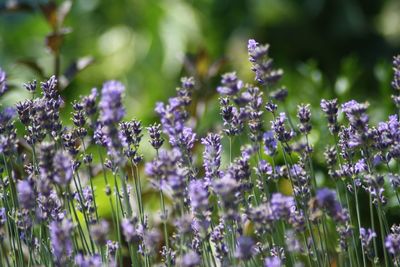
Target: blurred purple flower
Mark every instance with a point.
(3, 82)
(60, 239)
(212, 156)
(230, 84)
(111, 109)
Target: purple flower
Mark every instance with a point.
(112, 247)
(217, 237)
(394, 180)
(270, 143)
(110, 137)
(188, 83)
(184, 93)
(186, 139)
(3, 82)
(3, 216)
(62, 164)
(212, 155)
(60, 239)
(279, 94)
(89, 102)
(129, 230)
(173, 117)
(330, 108)
(356, 114)
(304, 116)
(30, 86)
(111, 109)
(165, 163)
(176, 181)
(330, 156)
(396, 76)
(49, 87)
(392, 241)
(271, 107)
(262, 63)
(156, 139)
(253, 109)
(252, 45)
(24, 111)
(367, 236)
(233, 118)
(26, 194)
(85, 202)
(79, 118)
(131, 135)
(360, 166)
(227, 188)
(46, 156)
(281, 206)
(281, 133)
(326, 199)
(245, 248)
(264, 169)
(273, 262)
(231, 85)
(198, 196)
(375, 187)
(8, 133)
(41, 116)
(166, 170)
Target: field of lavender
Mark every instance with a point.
(261, 205)
(249, 162)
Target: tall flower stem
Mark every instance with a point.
(91, 181)
(15, 205)
(300, 207)
(340, 185)
(164, 219)
(359, 220)
(382, 230)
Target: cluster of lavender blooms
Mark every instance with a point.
(261, 206)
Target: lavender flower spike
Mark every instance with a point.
(111, 109)
(62, 164)
(330, 108)
(230, 84)
(396, 76)
(366, 236)
(281, 133)
(60, 239)
(3, 82)
(270, 143)
(212, 155)
(26, 194)
(262, 63)
(392, 242)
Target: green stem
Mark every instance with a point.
(382, 230)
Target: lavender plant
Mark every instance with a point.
(217, 207)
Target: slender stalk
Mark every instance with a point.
(382, 230)
(359, 221)
(164, 214)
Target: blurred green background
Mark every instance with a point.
(326, 47)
